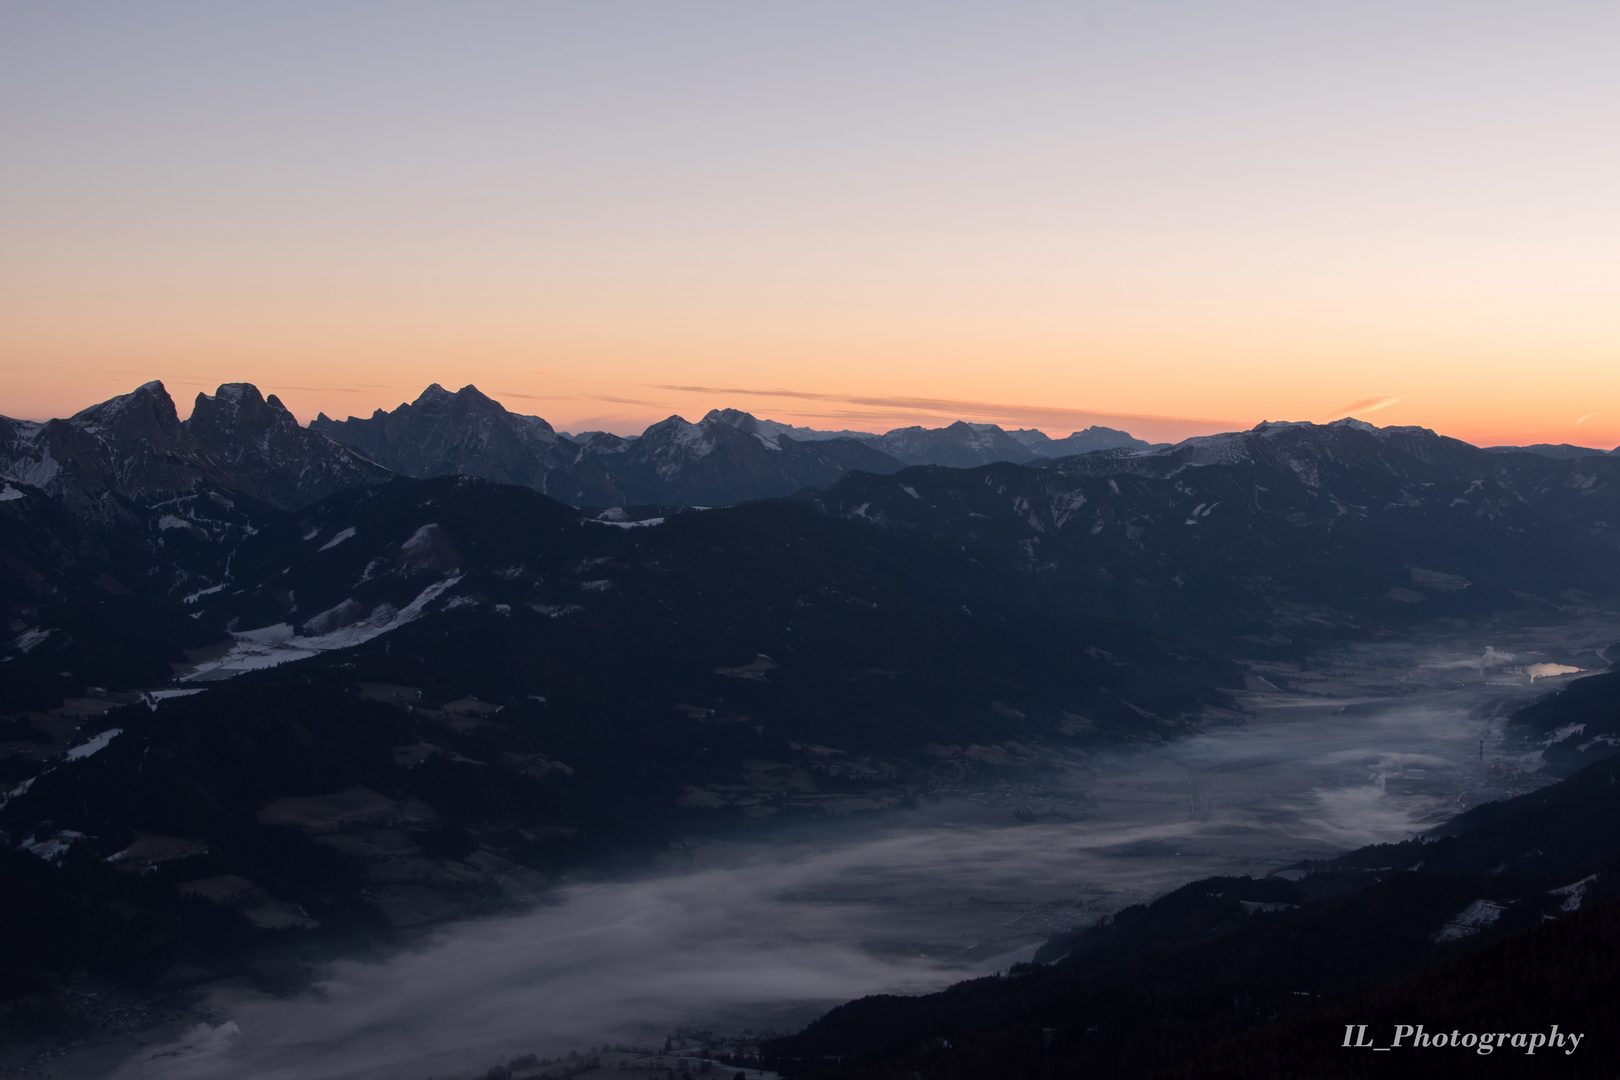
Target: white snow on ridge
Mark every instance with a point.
(271, 646)
(1470, 920)
(1574, 894)
(54, 848)
(95, 745)
(1568, 731)
(417, 553)
(29, 638)
(338, 539)
(9, 494)
(643, 523)
(19, 789)
(155, 696)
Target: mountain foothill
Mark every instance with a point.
(275, 687)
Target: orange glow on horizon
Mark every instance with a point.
(1167, 219)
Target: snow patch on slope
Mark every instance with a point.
(338, 539)
(95, 745)
(1574, 894)
(271, 646)
(1477, 916)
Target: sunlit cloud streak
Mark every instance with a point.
(1365, 405)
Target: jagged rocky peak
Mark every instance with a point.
(237, 410)
(1034, 438)
(468, 433)
(147, 412)
(468, 396)
(742, 421)
(604, 442)
(1085, 441)
(466, 400)
(436, 406)
(1304, 447)
(960, 445)
(134, 447)
(768, 432)
(266, 454)
(676, 434)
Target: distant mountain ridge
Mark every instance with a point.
(1555, 450)
(726, 457)
(134, 448)
(464, 433)
(1271, 539)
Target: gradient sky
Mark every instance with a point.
(1168, 217)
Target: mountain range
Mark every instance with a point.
(1262, 543)
(726, 457)
(1275, 539)
(131, 452)
(1555, 450)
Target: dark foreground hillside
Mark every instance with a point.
(1556, 978)
(485, 691)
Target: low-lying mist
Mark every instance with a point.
(770, 931)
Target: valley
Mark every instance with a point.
(764, 928)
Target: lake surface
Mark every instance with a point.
(1373, 744)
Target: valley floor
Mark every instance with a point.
(763, 932)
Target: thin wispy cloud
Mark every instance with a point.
(335, 389)
(537, 397)
(1587, 417)
(629, 401)
(1362, 407)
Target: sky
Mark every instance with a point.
(1169, 217)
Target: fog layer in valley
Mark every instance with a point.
(1373, 746)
